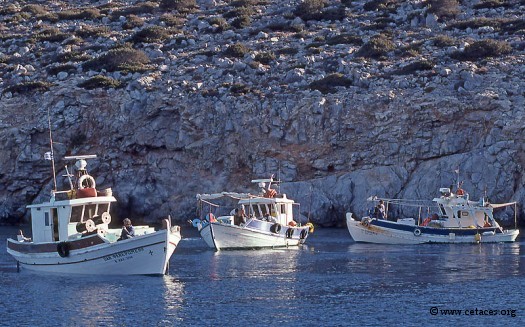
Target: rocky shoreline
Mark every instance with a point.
(383, 98)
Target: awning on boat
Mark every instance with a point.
(222, 195)
(501, 205)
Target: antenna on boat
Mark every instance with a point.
(50, 155)
(279, 178)
(457, 180)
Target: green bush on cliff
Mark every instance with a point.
(51, 34)
(119, 59)
(29, 87)
(182, 6)
(132, 21)
(265, 57)
(100, 81)
(310, 9)
(147, 7)
(151, 34)
(237, 50)
(376, 48)
(328, 83)
(483, 49)
(87, 13)
(444, 8)
(36, 10)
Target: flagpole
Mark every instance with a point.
(52, 155)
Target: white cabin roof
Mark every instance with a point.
(73, 202)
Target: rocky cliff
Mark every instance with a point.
(340, 99)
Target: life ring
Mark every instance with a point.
(275, 228)
(289, 232)
(365, 222)
(88, 180)
(417, 232)
(195, 222)
(106, 217)
(303, 234)
(63, 249)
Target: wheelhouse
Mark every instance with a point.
(57, 220)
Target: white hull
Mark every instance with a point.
(385, 235)
(224, 236)
(142, 255)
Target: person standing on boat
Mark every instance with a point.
(381, 211)
(127, 230)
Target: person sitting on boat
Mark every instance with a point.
(127, 230)
(269, 218)
(21, 237)
(460, 191)
(430, 219)
(239, 217)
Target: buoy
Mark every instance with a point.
(477, 237)
(311, 227)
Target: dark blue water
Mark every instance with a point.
(332, 281)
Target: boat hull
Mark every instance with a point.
(386, 232)
(225, 236)
(142, 255)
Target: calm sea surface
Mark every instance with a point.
(332, 281)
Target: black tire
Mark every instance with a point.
(303, 234)
(289, 232)
(63, 249)
(276, 228)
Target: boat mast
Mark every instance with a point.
(52, 158)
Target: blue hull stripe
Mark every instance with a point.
(433, 230)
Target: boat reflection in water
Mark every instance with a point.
(436, 263)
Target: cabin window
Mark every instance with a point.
(46, 218)
(264, 210)
(76, 214)
(90, 211)
(253, 210)
(103, 207)
(462, 214)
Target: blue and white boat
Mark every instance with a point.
(456, 220)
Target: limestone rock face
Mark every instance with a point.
(199, 121)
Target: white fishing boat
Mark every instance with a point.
(71, 234)
(456, 219)
(268, 222)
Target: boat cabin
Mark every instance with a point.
(459, 211)
(280, 209)
(57, 220)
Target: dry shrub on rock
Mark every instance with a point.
(483, 49)
(100, 81)
(119, 59)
